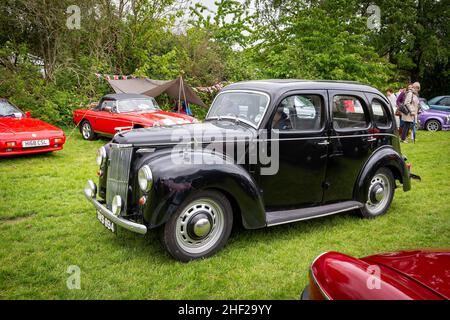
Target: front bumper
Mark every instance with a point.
(18, 152)
(91, 194)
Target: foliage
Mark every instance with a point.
(324, 41)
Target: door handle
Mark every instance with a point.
(323, 143)
(372, 139)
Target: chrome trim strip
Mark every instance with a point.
(241, 120)
(324, 294)
(313, 217)
(146, 150)
(126, 224)
(257, 140)
(123, 129)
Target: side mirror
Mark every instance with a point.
(27, 114)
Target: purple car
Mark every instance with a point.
(433, 120)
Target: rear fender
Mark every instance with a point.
(384, 157)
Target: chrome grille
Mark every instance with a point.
(118, 173)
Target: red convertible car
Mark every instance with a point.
(406, 275)
(20, 134)
(124, 111)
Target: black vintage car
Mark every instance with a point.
(268, 153)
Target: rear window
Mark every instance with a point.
(349, 113)
(380, 115)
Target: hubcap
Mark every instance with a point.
(86, 130)
(200, 226)
(433, 126)
(378, 194)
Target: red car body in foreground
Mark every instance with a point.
(20, 134)
(117, 112)
(406, 275)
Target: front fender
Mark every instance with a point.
(383, 157)
(177, 176)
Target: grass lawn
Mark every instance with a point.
(46, 225)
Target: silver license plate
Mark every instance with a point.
(108, 224)
(35, 143)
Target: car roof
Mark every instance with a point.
(124, 96)
(438, 97)
(278, 86)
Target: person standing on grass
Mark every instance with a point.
(400, 100)
(392, 97)
(412, 102)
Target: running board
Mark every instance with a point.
(274, 218)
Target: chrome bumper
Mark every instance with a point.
(90, 191)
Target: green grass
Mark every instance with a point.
(46, 225)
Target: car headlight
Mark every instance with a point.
(101, 155)
(448, 118)
(116, 205)
(145, 178)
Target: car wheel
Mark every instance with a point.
(379, 194)
(200, 227)
(433, 125)
(86, 131)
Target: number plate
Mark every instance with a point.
(35, 143)
(108, 224)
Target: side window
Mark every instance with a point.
(107, 105)
(299, 112)
(349, 113)
(444, 102)
(381, 117)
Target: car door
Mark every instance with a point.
(351, 143)
(383, 126)
(106, 117)
(298, 125)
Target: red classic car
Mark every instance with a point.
(406, 275)
(20, 134)
(123, 111)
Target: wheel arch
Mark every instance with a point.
(439, 120)
(175, 183)
(237, 211)
(384, 157)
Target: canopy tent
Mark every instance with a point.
(176, 89)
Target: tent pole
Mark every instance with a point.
(179, 95)
(184, 97)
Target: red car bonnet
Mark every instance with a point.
(430, 268)
(158, 116)
(25, 125)
(342, 277)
